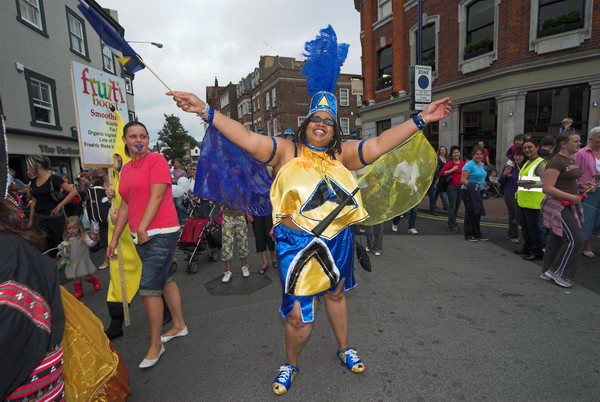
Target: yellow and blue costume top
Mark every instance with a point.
(306, 189)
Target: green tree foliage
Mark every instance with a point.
(174, 138)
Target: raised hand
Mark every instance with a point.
(186, 101)
(438, 110)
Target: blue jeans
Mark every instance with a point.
(453, 204)
(156, 255)
(591, 216)
(433, 195)
(412, 218)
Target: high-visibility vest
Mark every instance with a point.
(530, 197)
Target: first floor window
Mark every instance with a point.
(480, 28)
(556, 16)
(269, 128)
(42, 99)
(108, 61)
(274, 96)
(344, 97)
(267, 101)
(345, 125)
(76, 33)
(31, 13)
(384, 9)
(384, 71)
(428, 51)
(275, 128)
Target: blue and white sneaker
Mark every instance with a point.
(284, 379)
(350, 359)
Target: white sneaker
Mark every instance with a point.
(589, 253)
(226, 277)
(245, 271)
(394, 228)
(515, 240)
(412, 231)
(377, 253)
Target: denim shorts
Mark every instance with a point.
(156, 255)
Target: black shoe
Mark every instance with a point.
(483, 238)
(520, 251)
(472, 238)
(532, 257)
(114, 331)
(433, 213)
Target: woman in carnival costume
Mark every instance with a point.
(313, 177)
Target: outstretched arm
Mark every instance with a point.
(258, 146)
(388, 140)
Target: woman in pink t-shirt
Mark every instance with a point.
(147, 206)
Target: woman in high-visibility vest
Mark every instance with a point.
(529, 198)
(562, 211)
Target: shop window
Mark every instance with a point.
(345, 125)
(478, 35)
(432, 133)
(384, 9)
(545, 109)
(559, 24)
(108, 59)
(344, 97)
(42, 100)
(301, 120)
(128, 85)
(472, 122)
(77, 35)
(383, 125)
(31, 13)
(384, 72)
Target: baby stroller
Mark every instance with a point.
(202, 232)
(494, 187)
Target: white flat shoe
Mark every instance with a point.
(147, 363)
(183, 332)
(589, 254)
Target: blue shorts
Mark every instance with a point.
(310, 267)
(156, 255)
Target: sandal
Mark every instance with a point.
(262, 270)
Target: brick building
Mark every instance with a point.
(273, 98)
(510, 66)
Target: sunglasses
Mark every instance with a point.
(326, 121)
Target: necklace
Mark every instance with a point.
(318, 149)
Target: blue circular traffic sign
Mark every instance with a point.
(423, 82)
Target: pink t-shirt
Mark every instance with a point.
(136, 179)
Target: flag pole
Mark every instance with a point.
(152, 71)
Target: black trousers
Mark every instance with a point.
(562, 253)
(261, 226)
(472, 219)
(53, 228)
(513, 215)
(533, 231)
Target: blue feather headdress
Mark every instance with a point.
(324, 59)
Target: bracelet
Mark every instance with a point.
(204, 112)
(419, 121)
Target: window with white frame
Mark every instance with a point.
(559, 24)
(42, 100)
(384, 9)
(256, 102)
(31, 13)
(274, 96)
(301, 120)
(345, 125)
(77, 37)
(131, 115)
(239, 110)
(344, 97)
(275, 128)
(108, 59)
(478, 34)
(128, 85)
(430, 41)
(224, 100)
(269, 128)
(267, 101)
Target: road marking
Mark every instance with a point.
(458, 220)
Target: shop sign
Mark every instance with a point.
(58, 150)
(95, 93)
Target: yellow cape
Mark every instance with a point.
(398, 180)
(131, 261)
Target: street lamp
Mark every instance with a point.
(158, 45)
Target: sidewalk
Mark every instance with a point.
(495, 209)
(437, 319)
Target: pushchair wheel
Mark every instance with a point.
(193, 268)
(174, 266)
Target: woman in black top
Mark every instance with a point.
(46, 211)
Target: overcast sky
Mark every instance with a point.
(223, 38)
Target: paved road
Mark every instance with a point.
(439, 318)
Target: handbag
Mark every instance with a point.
(56, 196)
(363, 257)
